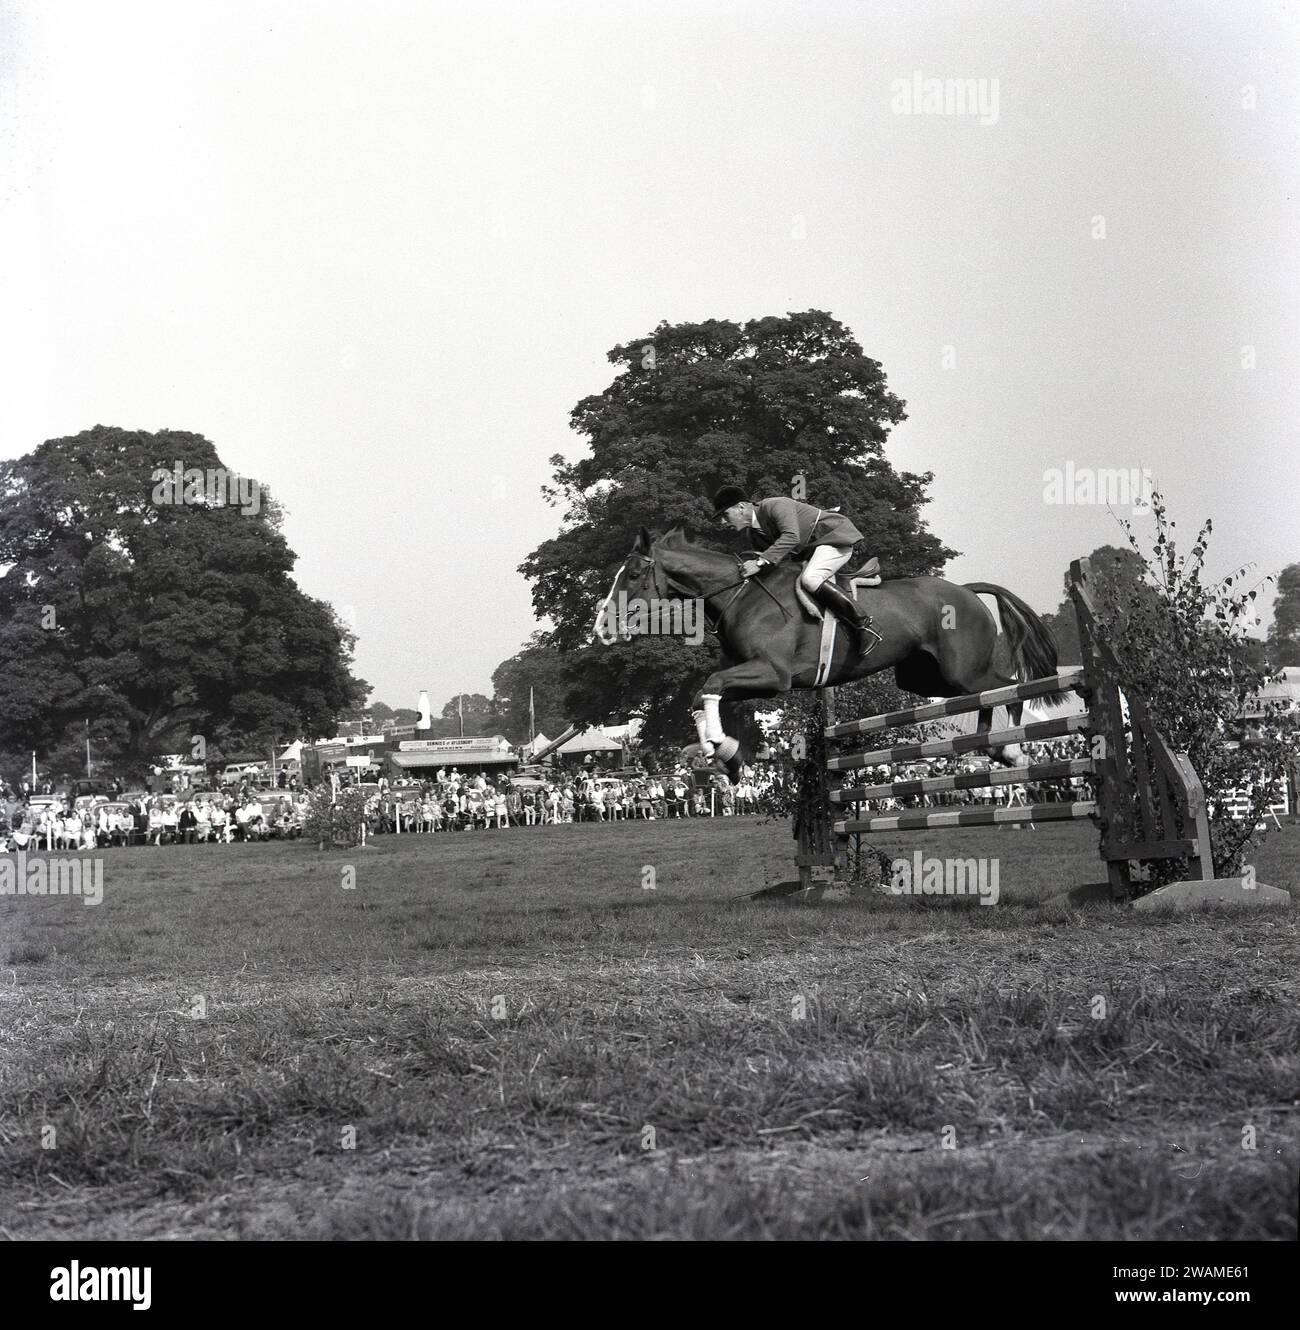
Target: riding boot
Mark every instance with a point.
(830, 596)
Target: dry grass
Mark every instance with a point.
(506, 1035)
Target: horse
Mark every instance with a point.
(939, 638)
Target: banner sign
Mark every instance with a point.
(451, 746)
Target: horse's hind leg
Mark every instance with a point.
(1010, 755)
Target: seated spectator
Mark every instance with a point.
(186, 824)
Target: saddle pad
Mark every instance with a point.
(855, 584)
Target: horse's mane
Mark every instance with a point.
(679, 539)
(676, 537)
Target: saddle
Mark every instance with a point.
(850, 583)
(868, 575)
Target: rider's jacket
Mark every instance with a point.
(786, 526)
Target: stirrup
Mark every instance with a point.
(863, 629)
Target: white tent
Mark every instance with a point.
(591, 741)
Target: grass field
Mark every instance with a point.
(526, 1034)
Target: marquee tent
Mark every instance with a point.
(590, 741)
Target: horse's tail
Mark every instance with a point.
(1032, 646)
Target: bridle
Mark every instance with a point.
(670, 583)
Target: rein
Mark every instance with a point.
(739, 584)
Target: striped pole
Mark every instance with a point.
(967, 780)
(1070, 680)
(968, 817)
(965, 743)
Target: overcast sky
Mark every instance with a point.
(377, 252)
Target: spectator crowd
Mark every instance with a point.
(452, 801)
(449, 801)
(90, 822)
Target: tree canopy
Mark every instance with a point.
(776, 405)
(543, 671)
(1284, 635)
(158, 617)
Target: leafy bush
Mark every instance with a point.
(1185, 652)
(347, 810)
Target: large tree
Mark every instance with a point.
(477, 713)
(1284, 635)
(157, 615)
(538, 671)
(778, 405)
(1118, 578)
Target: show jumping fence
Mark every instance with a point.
(1147, 799)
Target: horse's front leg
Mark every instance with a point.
(751, 678)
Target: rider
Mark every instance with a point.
(780, 527)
